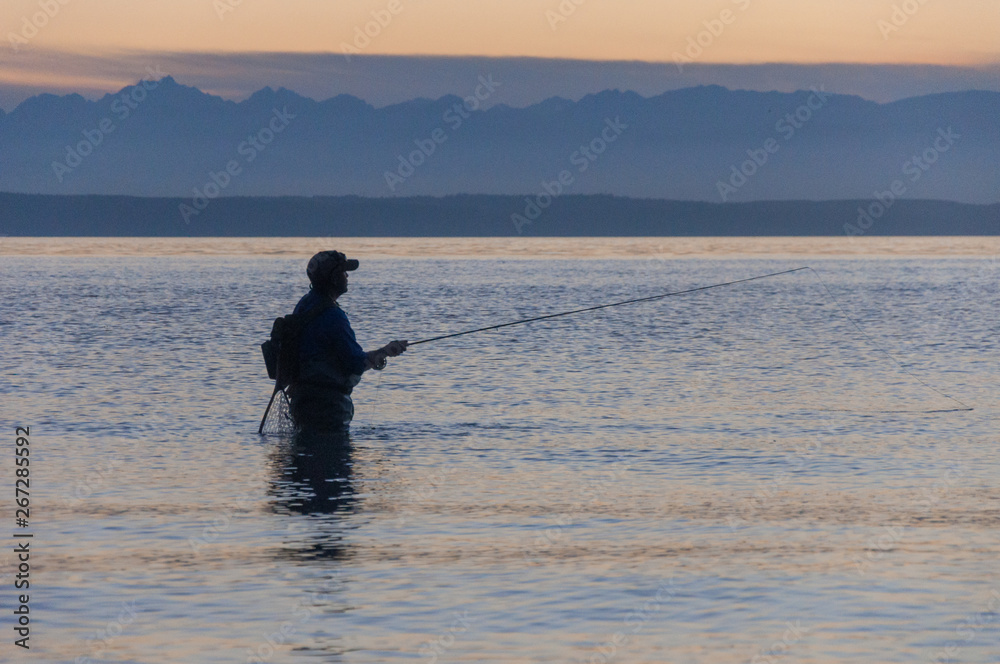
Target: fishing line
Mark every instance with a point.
(893, 412)
(964, 406)
(371, 414)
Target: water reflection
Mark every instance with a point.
(312, 476)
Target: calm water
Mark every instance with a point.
(720, 477)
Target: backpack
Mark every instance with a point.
(281, 351)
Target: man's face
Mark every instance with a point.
(338, 284)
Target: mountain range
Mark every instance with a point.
(163, 139)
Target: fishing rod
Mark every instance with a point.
(606, 306)
(964, 406)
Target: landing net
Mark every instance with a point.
(278, 421)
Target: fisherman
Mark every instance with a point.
(330, 360)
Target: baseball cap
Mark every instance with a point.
(325, 264)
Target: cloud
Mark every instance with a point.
(383, 80)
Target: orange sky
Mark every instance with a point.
(952, 32)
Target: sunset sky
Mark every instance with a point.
(956, 33)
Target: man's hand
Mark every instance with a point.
(395, 348)
(376, 358)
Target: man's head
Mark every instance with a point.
(328, 270)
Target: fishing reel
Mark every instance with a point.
(381, 364)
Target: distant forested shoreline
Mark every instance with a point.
(482, 216)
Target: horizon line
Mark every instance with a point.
(519, 195)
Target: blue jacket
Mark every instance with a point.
(329, 354)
